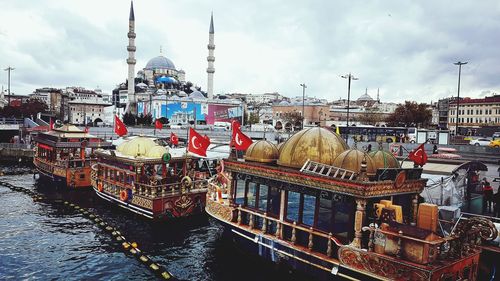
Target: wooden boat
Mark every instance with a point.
(152, 180)
(65, 154)
(329, 211)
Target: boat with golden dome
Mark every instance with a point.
(327, 210)
(146, 177)
(65, 154)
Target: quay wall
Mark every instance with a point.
(12, 152)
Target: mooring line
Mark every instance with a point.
(129, 247)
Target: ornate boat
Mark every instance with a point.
(328, 211)
(146, 177)
(65, 154)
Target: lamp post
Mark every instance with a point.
(303, 85)
(459, 63)
(8, 69)
(349, 77)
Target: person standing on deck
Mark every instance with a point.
(487, 196)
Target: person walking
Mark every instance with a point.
(487, 196)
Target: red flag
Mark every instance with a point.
(235, 125)
(418, 156)
(158, 124)
(86, 129)
(51, 124)
(120, 128)
(240, 140)
(197, 143)
(174, 139)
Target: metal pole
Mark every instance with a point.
(349, 77)
(459, 63)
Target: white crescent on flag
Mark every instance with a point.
(193, 143)
(237, 139)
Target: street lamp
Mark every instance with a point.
(459, 63)
(349, 77)
(9, 69)
(303, 85)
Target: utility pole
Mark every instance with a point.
(459, 63)
(9, 69)
(304, 86)
(349, 77)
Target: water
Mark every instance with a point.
(45, 241)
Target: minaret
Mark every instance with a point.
(132, 102)
(211, 59)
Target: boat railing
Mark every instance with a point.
(153, 189)
(302, 236)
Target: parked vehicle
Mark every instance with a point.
(480, 141)
(494, 143)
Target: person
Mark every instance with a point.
(435, 149)
(369, 148)
(487, 196)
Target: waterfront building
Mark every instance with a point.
(443, 109)
(86, 106)
(474, 113)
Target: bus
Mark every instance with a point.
(368, 133)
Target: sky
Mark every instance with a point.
(405, 49)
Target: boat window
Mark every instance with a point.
(344, 207)
(292, 208)
(274, 201)
(251, 194)
(240, 192)
(308, 209)
(263, 189)
(325, 212)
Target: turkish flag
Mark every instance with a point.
(418, 156)
(120, 128)
(235, 125)
(240, 140)
(86, 129)
(174, 139)
(51, 124)
(158, 124)
(198, 144)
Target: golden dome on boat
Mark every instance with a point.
(351, 160)
(156, 151)
(384, 159)
(317, 144)
(279, 146)
(262, 151)
(138, 146)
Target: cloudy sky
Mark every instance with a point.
(404, 48)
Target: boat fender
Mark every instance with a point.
(99, 187)
(186, 181)
(123, 195)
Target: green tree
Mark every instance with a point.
(29, 108)
(253, 118)
(129, 119)
(410, 114)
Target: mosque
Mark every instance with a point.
(161, 89)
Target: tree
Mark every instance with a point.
(253, 118)
(129, 119)
(369, 117)
(29, 108)
(294, 118)
(410, 114)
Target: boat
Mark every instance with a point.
(148, 178)
(64, 155)
(328, 211)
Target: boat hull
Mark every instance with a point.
(69, 177)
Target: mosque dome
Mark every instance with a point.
(262, 151)
(384, 159)
(138, 146)
(196, 95)
(365, 97)
(142, 85)
(284, 103)
(166, 79)
(160, 62)
(317, 144)
(351, 160)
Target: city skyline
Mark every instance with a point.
(405, 49)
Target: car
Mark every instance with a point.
(480, 141)
(494, 143)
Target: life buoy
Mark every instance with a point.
(99, 187)
(186, 181)
(166, 157)
(123, 195)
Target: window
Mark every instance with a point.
(251, 194)
(274, 201)
(263, 189)
(292, 208)
(309, 208)
(240, 192)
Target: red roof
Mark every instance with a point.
(492, 99)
